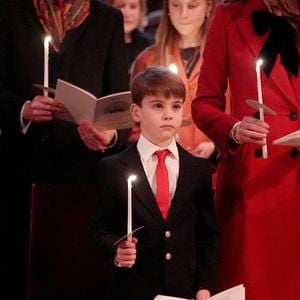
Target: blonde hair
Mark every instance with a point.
(167, 35)
(144, 9)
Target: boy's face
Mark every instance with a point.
(159, 118)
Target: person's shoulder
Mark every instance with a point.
(142, 37)
(197, 166)
(110, 160)
(103, 8)
(11, 3)
(16, 14)
(105, 18)
(186, 156)
(233, 9)
(147, 54)
(7, 7)
(143, 60)
(115, 159)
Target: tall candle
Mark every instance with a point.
(130, 179)
(46, 63)
(260, 100)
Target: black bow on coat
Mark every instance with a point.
(281, 39)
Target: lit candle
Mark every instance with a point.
(173, 68)
(130, 179)
(46, 65)
(260, 100)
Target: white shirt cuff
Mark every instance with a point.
(24, 127)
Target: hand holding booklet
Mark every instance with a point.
(234, 293)
(108, 112)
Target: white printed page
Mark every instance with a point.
(79, 103)
(235, 293)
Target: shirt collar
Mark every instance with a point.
(146, 148)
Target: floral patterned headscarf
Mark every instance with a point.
(56, 21)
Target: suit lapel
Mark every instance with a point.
(281, 79)
(186, 176)
(255, 43)
(141, 189)
(73, 34)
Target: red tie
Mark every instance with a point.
(162, 183)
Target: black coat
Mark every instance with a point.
(139, 42)
(191, 223)
(92, 56)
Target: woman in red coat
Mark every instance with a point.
(257, 199)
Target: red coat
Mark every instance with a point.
(257, 200)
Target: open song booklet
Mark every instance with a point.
(234, 293)
(291, 139)
(108, 112)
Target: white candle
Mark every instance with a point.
(46, 63)
(173, 68)
(130, 179)
(260, 100)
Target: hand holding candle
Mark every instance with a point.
(46, 63)
(260, 100)
(130, 179)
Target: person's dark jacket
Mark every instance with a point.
(92, 56)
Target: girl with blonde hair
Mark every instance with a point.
(179, 42)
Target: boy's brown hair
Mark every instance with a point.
(154, 81)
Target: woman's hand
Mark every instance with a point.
(251, 130)
(204, 149)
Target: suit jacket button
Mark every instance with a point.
(258, 153)
(167, 234)
(168, 256)
(293, 116)
(294, 153)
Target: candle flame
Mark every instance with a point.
(132, 178)
(47, 39)
(259, 62)
(173, 68)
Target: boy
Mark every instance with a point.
(174, 253)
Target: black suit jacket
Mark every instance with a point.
(92, 56)
(191, 223)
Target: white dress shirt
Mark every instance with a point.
(149, 161)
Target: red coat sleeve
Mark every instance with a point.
(208, 108)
